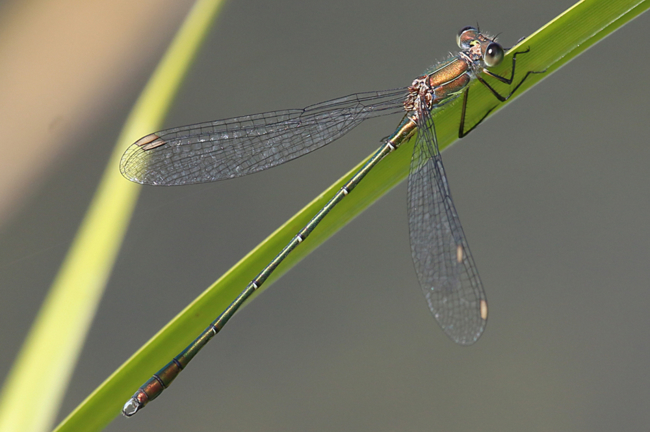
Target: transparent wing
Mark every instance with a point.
(234, 147)
(442, 258)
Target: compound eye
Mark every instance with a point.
(465, 36)
(493, 54)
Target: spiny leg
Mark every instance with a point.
(505, 80)
(512, 72)
(461, 130)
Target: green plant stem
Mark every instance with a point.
(552, 46)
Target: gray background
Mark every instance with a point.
(555, 214)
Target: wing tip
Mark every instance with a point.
(129, 163)
(469, 336)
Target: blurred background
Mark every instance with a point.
(556, 215)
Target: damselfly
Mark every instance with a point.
(223, 149)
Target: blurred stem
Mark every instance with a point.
(37, 382)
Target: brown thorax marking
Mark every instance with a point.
(420, 95)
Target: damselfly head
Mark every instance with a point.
(478, 46)
(466, 36)
(493, 54)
